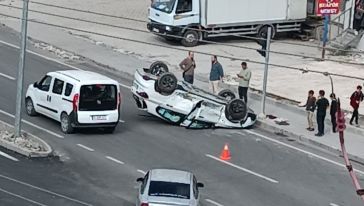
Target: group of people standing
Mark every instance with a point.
(321, 104)
(188, 65)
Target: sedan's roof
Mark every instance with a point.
(170, 175)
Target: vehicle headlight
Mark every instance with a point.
(168, 28)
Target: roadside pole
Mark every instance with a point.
(265, 79)
(20, 77)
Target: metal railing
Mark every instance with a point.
(341, 23)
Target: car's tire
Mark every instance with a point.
(66, 124)
(109, 130)
(29, 107)
(190, 38)
(158, 68)
(236, 110)
(227, 94)
(167, 83)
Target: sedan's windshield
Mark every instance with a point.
(169, 189)
(163, 5)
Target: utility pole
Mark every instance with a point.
(267, 49)
(20, 77)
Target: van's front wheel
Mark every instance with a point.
(66, 124)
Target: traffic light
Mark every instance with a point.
(263, 50)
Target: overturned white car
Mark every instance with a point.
(158, 92)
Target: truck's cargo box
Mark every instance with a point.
(230, 12)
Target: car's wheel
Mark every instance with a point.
(158, 68)
(227, 94)
(190, 38)
(236, 110)
(66, 124)
(167, 83)
(109, 130)
(29, 106)
(263, 32)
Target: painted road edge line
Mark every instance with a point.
(333, 204)
(21, 197)
(213, 202)
(301, 150)
(141, 171)
(7, 76)
(53, 60)
(243, 169)
(8, 156)
(121, 121)
(114, 160)
(85, 147)
(33, 125)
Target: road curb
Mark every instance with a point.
(24, 151)
(263, 124)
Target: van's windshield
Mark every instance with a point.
(163, 5)
(98, 97)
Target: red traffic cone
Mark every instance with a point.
(225, 154)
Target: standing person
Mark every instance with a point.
(310, 108)
(355, 100)
(188, 66)
(244, 78)
(322, 104)
(216, 74)
(333, 110)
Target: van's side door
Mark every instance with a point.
(55, 100)
(41, 95)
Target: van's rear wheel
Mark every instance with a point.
(66, 124)
(190, 38)
(29, 106)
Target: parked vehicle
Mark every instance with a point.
(158, 92)
(76, 99)
(164, 187)
(194, 20)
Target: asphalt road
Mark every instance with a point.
(261, 172)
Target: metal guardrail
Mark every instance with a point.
(339, 22)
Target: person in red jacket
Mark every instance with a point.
(355, 100)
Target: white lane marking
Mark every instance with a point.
(7, 76)
(213, 202)
(8, 156)
(243, 169)
(21, 197)
(33, 125)
(122, 121)
(53, 60)
(115, 160)
(141, 171)
(45, 190)
(85, 147)
(303, 151)
(333, 204)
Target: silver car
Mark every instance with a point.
(165, 187)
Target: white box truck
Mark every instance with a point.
(194, 20)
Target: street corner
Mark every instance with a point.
(27, 145)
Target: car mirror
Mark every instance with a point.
(199, 184)
(140, 179)
(35, 84)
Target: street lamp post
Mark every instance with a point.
(20, 79)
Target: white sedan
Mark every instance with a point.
(166, 187)
(158, 92)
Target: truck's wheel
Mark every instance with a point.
(167, 83)
(190, 38)
(227, 94)
(263, 32)
(236, 110)
(158, 68)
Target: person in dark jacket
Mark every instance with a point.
(188, 66)
(355, 100)
(322, 104)
(310, 108)
(216, 74)
(333, 110)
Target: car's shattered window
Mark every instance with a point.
(170, 115)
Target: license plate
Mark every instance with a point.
(99, 117)
(156, 30)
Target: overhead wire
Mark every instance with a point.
(303, 70)
(174, 36)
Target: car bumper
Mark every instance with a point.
(77, 124)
